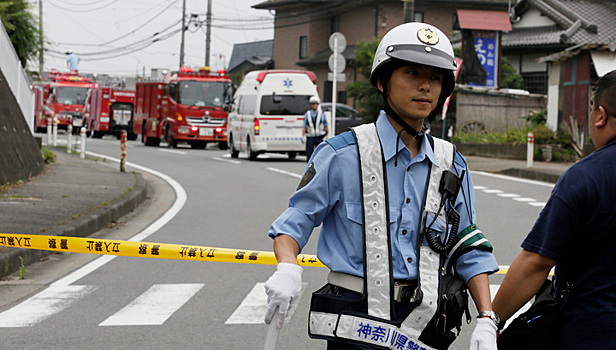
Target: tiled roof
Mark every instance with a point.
(269, 4)
(579, 22)
(256, 51)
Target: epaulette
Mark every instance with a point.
(342, 140)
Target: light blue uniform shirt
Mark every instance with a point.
(333, 198)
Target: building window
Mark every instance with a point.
(334, 24)
(418, 16)
(303, 46)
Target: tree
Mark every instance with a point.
(362, 92)
(509, 77)
(21, 28)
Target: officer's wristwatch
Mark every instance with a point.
(492, 315)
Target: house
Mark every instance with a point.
(303, 28)
(250, 56)
(575, 43)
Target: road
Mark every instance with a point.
(121, 303)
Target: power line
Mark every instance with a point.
(82, 11)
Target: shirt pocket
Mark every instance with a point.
(354, 212)
(439, 227)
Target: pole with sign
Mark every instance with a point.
(337, 64)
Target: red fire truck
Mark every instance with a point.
(108, 111)
(190, 107)
(63, 96)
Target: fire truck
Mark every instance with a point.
(63, 96)
(187, 107)
(108, 111)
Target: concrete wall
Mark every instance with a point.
(20, 156)
(494, 111)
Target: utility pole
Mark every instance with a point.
(409, 11)
(41, 52)
(208, 32)
(183, 30)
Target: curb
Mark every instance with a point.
(531, 175)
(84, 226)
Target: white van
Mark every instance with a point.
(268, 112)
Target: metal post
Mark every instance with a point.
(82, 133)
(69, 139)
(530, 149)
(123, 148)
(48, 130)
(54, 131)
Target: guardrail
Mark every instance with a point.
(16, 78)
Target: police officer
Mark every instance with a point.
(387, 247)
(315, 126)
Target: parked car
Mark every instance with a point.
(346, 116)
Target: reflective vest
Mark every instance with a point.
(376, 327)
(317, 128)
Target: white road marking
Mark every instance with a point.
(253, 307)
(153, 307)
(524, 199)
(480, 188)
(537, 204)
(511, 178)
(487, 190)
(43, 305)
(285, 172)
(172, 151)
(508, 195)
(227, 160)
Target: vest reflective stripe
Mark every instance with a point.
(429, 260)
(314, 129)
(378, 278)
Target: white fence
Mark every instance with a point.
(16, 78)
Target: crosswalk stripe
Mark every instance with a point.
(154, 306)
(43, 305)
(253, 307)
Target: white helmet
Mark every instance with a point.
(315, 99)
(418, 43)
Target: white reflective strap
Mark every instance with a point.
(378, 279)
(322, 323)
(377, 333)
(429, 266)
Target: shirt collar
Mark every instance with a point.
(388, 137)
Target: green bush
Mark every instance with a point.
(542, 136)
(48, 155)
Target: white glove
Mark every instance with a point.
(282, 289)
(484, 335)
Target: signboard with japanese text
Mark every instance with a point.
(486, 45)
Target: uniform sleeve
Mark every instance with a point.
(475, 261)
(317, 193)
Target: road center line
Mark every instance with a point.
(285, 172)
(227, 160)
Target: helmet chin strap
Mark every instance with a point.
(411, 131)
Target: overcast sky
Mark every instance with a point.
(104, 32)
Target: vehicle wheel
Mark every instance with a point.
(132, 136)
(222, 145)
(252, 155)
(475, 127)
(292, 155)
(148, 141)
(97, 135)
(234, 153)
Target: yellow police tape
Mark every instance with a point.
(151, 250)
(146, 249)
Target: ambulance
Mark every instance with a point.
(268, 112)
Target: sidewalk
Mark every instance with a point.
(72, 197)
(78, 197)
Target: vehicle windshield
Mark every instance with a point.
(201, 93)
(284, 104)
(71, 95)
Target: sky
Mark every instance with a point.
(115, 36)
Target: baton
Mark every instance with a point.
(272, 332)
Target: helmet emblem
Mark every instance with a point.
(427, 36)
